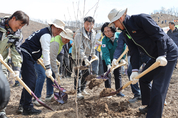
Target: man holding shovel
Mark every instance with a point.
(143, 34)
(33, 48)
(56, 45)
(11, 38)
(83, 50)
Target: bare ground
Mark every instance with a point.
(93, 106)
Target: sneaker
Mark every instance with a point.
(3, 115)
(84, 92)
(134, 99)
(31, 111)
(80, 96)
(120, 95)
(20, 109)
(16, 85)
(143, 110)
(49, 98)
(35, 102)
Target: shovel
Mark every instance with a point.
(60, 96)
(152, 67)
(25, 86)
(104, 76)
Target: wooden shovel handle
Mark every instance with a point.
(21, 82)
(125, 51)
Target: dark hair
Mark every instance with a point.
(89, 19)
(172, 23)
(20, 15)
(113, 29)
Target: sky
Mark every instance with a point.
(77, 9)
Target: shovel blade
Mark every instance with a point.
(60, 97)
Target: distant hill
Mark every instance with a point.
(28, 30)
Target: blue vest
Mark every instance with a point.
(32, 43)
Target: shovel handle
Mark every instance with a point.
(125, 51)
(92, 60)
(21, 82)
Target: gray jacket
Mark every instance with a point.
(83, 47)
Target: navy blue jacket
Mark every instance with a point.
(32, 43)
(173, 35)
(143, 34)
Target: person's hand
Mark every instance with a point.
(132, 77)
(162, 60)
(123, 61)
(94, 57)
(87, 62)
(14, 74)
(114, 62)
(48, 72)
(109, 67)
(1, 57)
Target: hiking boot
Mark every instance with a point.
(20, 109)
(143, 110)
(135, 98)
(31, 111)
(80, 96)
(84, 92)
(35, 102)
(49, 98)
(120, 95)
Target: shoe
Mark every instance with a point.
(3, 115)
(143, 110)
(16, 85)
(80, 96)
(31, 111)
(120, 95)
(20, 109)
(84, 92)
(49, 98)
(134, 99)
(35, 102)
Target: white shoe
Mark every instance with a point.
(35, 102)
(49, 98)
(84, 92)
(80, 96)
(109, 97)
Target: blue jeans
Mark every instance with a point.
(97, 66)
(135, 88)
(40, 72)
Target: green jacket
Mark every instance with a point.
(11, 42)
(108, 48)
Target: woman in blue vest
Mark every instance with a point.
(33, 48)
(109, 44)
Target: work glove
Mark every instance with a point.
(1, 57)
(123, 61)
(109, 67)
(48, 72)
(14, 75)
(132, 77)
(58, 77)
(162, 60)
(114, 62)
(87, 62)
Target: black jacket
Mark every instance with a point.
(143, 34)
(173, 35)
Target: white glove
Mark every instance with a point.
(14, 75)
(48, 72)
(58, 77)
(114, 62)
(132, 77)
(109, 67)
(1, 57)
(123, 61)
(87, 62)
(163, 60)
